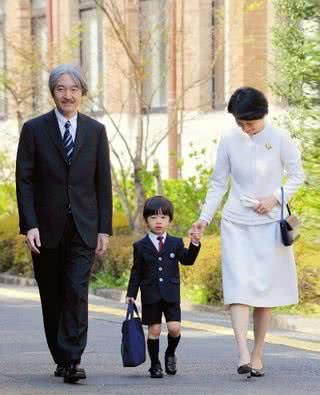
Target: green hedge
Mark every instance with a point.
(14, 255)
(201, 282)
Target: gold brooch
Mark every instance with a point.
(268, 146)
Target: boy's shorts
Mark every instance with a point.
(152, 313)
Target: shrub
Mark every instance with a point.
(112, 270)
(203, 280)
(308, 268)
(201, 283)
(15, 257)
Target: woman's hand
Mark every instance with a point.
(198, 228)
(266, 204)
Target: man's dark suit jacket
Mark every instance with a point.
(157, 273)
(47, 187)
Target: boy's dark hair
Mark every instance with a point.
(248, 104)
(156, 205)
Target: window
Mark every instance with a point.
(3, 101)
(91, 51)
(38, 4)
(153, 41)
(40, 41)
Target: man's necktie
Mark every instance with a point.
(160, 239)
(67, 141)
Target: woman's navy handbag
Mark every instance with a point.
(288, 226)
(133, 345)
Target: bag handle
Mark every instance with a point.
(132, 308)
(282, 204)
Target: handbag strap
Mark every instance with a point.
(282, 204)
(132, 308)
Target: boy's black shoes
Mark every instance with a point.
(73, 374)
(156, 371)
(170, 364)
(60, 370)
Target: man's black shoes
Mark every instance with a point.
(73, 374)
(170, 364)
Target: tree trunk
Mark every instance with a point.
(139, 226)
(172, 94)
(19, 118)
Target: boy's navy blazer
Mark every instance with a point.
(157, 273)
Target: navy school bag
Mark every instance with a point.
(133, 346)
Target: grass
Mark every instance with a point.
(309, 310)
(106, 280)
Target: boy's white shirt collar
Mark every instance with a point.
(155, 241)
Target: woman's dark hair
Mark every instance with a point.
(248, 104)
(156, 205)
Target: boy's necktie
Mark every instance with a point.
(160, 239)
(67, 141)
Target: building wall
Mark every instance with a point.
(247, 44)
(231, 35)
(240, 49)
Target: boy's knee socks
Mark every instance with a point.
(153, 349)
(172, 344)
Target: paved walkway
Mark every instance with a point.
(207, 356)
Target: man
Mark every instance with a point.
(65, 207)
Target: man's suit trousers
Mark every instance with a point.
(62, 275)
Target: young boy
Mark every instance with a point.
(155, 270)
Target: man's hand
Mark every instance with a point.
(102, 244)
(33, 240)
(266, 204)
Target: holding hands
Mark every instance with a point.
(196, 231)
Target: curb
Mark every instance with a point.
(279, 321)
(9, 279)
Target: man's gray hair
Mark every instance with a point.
(73, 71)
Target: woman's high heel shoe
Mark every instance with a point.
(244, 369)
(257, 372)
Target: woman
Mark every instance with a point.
(257, 269)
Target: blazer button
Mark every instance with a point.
(160, 258)
(161, 279)
(160, 269)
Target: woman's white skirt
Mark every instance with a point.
(257, 269)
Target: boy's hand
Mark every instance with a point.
(194, 234)
(130, 300)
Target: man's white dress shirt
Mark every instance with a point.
(62, 121)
